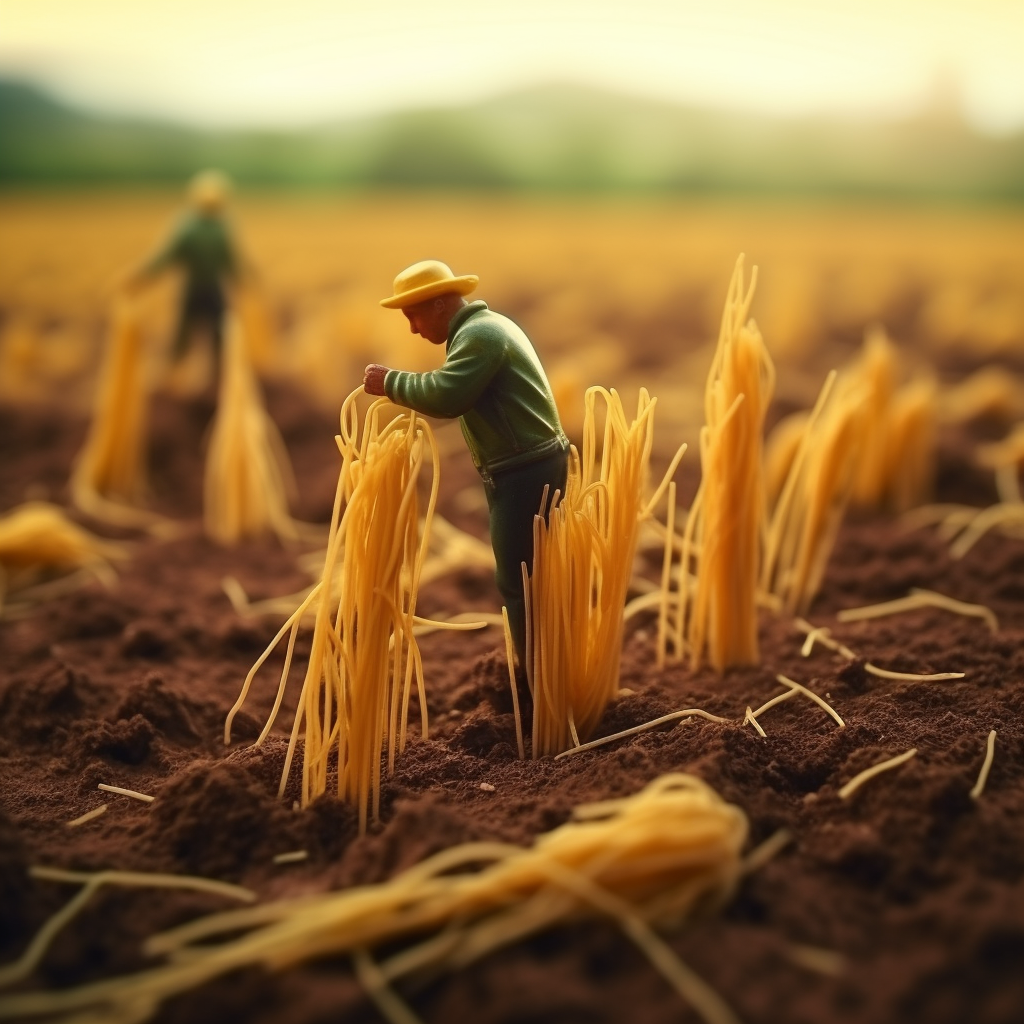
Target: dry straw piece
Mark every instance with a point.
(38, 540)
(654, 859)
(248, 475)
(364, 659)
(582, 566)
(727, 520)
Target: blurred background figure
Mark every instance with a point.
(202, 247)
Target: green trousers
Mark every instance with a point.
(513, 499)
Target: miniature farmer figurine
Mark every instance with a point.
(201, 246)
(493, 381)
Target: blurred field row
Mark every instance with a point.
(617, 293)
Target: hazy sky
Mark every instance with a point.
(295, 61)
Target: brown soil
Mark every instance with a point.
(919, 887)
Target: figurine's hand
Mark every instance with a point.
(373, 379)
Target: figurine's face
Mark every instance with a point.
(429, 319)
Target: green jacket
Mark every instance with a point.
(493, 380)
(201, 246)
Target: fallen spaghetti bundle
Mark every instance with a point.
(364, 658)
(248, 476)
(109, 477)
(727, 519)
(582, 566)
(656, 858)
(38, 540)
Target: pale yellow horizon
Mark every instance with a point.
(254, 62)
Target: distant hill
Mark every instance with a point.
(549, 138)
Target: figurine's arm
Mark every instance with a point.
(162, 258)
(455, 387)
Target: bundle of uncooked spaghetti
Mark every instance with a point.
(911, 444)
(897, 443)
(813, 498)
(248, 475)
(727, 520)
(364, 658)
(110, 473)
(582, 566)
(37, 540)
(654, 859)
(875, 372)
(253, 310)
(781, 447)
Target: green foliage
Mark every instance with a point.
(553, 138)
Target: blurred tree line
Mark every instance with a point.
(556, 138)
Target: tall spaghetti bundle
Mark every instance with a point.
(582, 565)
(727, 520)
(911, 444)
(875, 371)
(814, 497)
(654, 859)
(109, 474)
(248, 476)
(364, 659)
(897, 443)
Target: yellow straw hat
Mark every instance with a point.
(425, 280)
(209, 190)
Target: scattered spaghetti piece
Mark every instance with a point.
(88, 816)
(920, 677)
(788, 695)
(821, 702)
(821, 961)
(766, 851)
(990, 751)
(292, 857)
(869, 773)
(671, 717)
(823, 636)
(1003, 514)
(653, 859)
(920, 599)
(821, 633)
(749, 717)
(134, 794)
